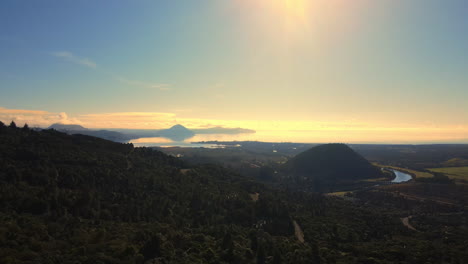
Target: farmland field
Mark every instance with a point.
(458, 173)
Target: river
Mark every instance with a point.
(401, 177)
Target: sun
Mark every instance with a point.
(297, 22)
(315, 17)
(295, 9)
(294, 14)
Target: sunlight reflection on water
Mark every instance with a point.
(296, 136)
(264, 136)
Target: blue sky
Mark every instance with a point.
(385, 63)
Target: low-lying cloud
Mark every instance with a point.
(299, 131)
(35, 118)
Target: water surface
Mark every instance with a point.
(401, 177)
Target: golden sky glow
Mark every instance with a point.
(293, 131)
(341, 70)
(295, 11)
(309, 16)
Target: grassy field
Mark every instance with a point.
(377, 180)
(456, 162)
(457, 173)
(417, 174)
(340, 194)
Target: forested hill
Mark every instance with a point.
(79, 199)
(74, 197)
(325, 166)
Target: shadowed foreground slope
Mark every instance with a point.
(75, 199)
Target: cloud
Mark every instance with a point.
(35, 118)
(5, 111)
(70, 57)
(137, 120)
(65, 119)
(159, 86)
(163, 88)
(350, 131)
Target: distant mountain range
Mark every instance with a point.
(59, 126)
(223, 130)
(105, 134)
(175, 133)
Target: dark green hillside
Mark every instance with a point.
(74, 197)
(79, 199)
(330, 164)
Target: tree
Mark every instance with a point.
(277, 257)
(253, 241)
(152, 248)
(261, 257)
(12, 124)
(315, 254)
(2, 127)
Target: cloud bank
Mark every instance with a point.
(35, 118)
(293, 131)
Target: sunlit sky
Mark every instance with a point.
(355, 71)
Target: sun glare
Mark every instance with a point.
(318, 18)
(293, 13)
(295, 8)
(315, 15)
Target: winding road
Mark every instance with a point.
(405, 221)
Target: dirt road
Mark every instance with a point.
(298, 232)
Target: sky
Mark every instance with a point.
(363, 70)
